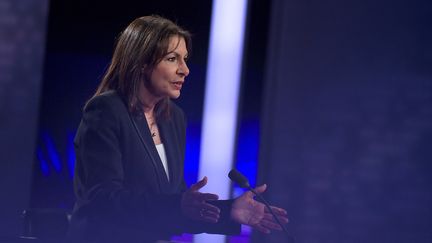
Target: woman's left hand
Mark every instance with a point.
(246, 210)
(195, 205)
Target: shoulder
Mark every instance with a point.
(103, 113)
(107, 101)
(106, 108)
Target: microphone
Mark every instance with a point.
(239, 178)
(243, 182)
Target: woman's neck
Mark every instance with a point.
(148, 100)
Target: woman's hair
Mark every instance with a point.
(139, 48)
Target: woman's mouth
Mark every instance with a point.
(177, 85)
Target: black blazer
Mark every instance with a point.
(123, 193)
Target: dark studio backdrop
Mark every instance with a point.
(336, 102)
(347, 120)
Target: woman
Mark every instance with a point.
(130, 149)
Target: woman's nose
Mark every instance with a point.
(183, 69)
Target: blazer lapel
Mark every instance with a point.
(172, 153)
(149, 146)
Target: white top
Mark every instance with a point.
(162, 154)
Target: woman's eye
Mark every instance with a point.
(171, 59)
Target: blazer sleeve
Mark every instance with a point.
(100, 188)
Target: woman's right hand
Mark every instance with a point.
(195, 206)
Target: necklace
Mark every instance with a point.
(152, 129)
(152, 125)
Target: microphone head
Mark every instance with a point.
(239, 178)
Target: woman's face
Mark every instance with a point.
(169, 74)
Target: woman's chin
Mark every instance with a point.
(174, 95)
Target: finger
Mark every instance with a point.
(261, 229)
(208, 197)
(209, 219)
(210, 216)
(201, 210)
(248, 194)
(200, 184)
(209, 207)
(268, 216)
(276, 210)
(201, 217)
(282, 219)
(261, 188)
(270, 225)
(206, 216)
(208, 213)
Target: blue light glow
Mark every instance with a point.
(221, 98)
(70, 154)
(43, 165)
(52, 152)
(247, 149)
(191, 163)
(49, 156)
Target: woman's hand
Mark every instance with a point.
(194, 203)
(246, 210)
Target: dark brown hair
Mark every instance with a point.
(141, 45)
